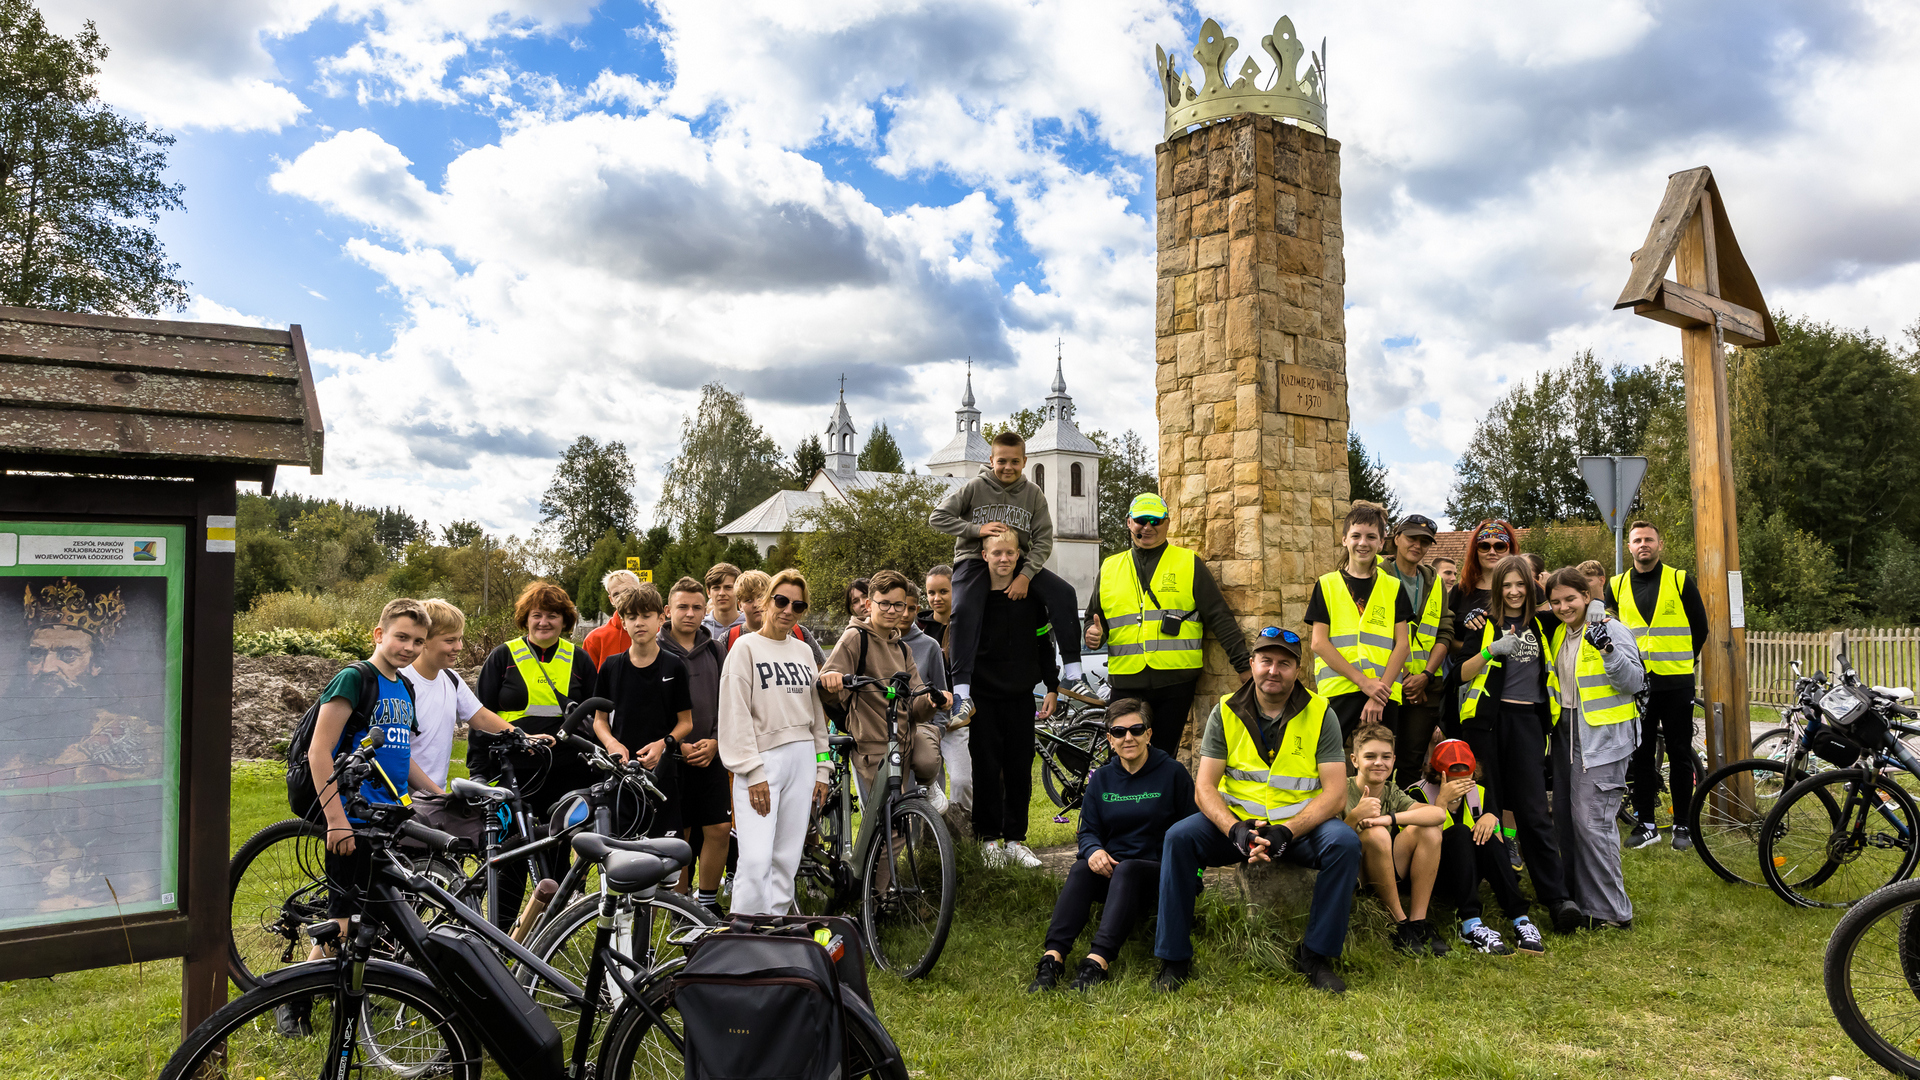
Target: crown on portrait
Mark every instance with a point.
(1287, 95)
(65, 604)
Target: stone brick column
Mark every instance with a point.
(1250, 334)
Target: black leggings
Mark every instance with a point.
(970, 585)
(1669, 712)
(1513, 764)
(1002, 750)
(1465, 864)
(1131, 894)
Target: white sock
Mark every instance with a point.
(962, 692)
(1070, 672)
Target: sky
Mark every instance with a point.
(504, 224)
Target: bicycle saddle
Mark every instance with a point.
(1897, 693)
(839, 742)
(475, 791)
(596, 848)
(632, 871)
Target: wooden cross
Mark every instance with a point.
(1715, 300)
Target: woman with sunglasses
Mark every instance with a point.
(1493, 540)
(1131, 801)
(773, 739)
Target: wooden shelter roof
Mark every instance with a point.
(149, 391)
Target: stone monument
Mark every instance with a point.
(1250, 329)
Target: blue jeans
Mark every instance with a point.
(1196, 843)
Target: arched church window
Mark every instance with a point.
(1040, 477)
(1079, 485)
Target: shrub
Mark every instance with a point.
(342, 643)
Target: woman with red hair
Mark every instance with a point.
(1493, 540)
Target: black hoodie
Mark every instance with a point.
(1128, 814)
(703, 677)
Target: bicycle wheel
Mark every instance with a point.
(636, 1049)
(1774, 743)
(275, 885)
(566, 942)
(906, 893)
(408, 1030)
(1870, 975)
(1837, 836)
(1090, 751)
(1726, 828)
(813, 885)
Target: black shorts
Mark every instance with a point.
(347, 879)
(706, 796)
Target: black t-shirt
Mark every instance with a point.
(647, 701)
(1361, 589)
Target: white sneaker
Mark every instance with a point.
(937, 798)
(994, 854)
(1023, 855)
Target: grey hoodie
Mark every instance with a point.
(703, 677)
(1608, 743)
(983, 499)
(928, 658)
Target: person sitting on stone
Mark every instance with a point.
(1452, 783)
(1272, 786)
(1399, 840)
(1130, 803)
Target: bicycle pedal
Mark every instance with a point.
(1059, 819)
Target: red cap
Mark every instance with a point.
(1452, 758)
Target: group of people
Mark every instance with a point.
(1460, 722)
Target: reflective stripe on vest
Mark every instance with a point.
(540, 694)
(1665, 641)
(1356, 634)
(1600, 703)
(1470, 695)
(1134, 640)
(1257, 790)
(1424, 632)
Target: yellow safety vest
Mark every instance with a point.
(1134, 640)
(541, 679)
(1600, 703)
(1428, 792)
(1365, 640)
(1423, 634)
(1257, 790)
(1665, 641)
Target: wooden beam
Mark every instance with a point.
(206, 750)
(103, 348)
(316, 428)
(1677, 305)
(31, 384)
(210, 331)
(1678, 207)
(73, 431)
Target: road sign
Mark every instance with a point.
(1613, 482)
(633, 563)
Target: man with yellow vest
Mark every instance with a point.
(1595, 674)
(1272, 785)
(1430, 639)
(1153, 604)
(1662, 606)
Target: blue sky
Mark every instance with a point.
(506, 223)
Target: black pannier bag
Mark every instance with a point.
(514, 1029)
(757, 1006)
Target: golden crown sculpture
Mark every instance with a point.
(65, 604)
(1288, 95)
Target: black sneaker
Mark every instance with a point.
(1589, 922)
(1566, 916)
(1513, 854)
(1682, 839)
(1527, 939)
(294, 1019)
(1046, 975)
(1173, 975)
(1486, 939)
(1436, 941)
(1318, 970)
(1643, 835)
(1406, 939)
(1089, 975)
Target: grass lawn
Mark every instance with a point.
(1712, 981)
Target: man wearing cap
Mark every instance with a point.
(1272, 785)
(1152, 605)
(1432, 636)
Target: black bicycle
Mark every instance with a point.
(1873, 976)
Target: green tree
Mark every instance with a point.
(877, 528)
(742, 553)
(336, 544)
(1792, 580)
(80, 185)
(808, 459)
(264, 563)
(726, 466)
(881, 453)
(1893, 581)
(1024, 421)
(591, 492)
(1127, 471)
(785, 553)
(460, 533)
(1367, 477)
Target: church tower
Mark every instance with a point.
(967, 450)
(1065, 465)
(839, 440)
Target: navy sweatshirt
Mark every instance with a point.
(1128, 814)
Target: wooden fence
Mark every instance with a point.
(1884, 656)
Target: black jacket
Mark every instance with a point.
(1128, 814)
(1543, 626)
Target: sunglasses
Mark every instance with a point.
(1275, 633)
(1458, 769)
(799, 606)
(1121, 731)
(1492, 545)
(1149, 520)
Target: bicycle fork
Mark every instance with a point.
(350, 997)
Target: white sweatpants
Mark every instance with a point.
(770, 845)
(959, 763)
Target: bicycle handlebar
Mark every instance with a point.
(867, 682)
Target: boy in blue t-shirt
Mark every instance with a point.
(403, 629)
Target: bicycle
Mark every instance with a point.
(901, 876)
(380, 1018)
(1872, 975)
(1732, 801)
(1068, 758)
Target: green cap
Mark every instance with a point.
(1147, 504)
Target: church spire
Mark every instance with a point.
(840, 437)
(968, 448)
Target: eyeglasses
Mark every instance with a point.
(1148, 520)
(1275, 633)
(895, 606)
(799, 606)
(1121, 731)
(1492, 545)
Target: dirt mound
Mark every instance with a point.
(271, 693)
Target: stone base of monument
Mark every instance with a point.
(1275, 889)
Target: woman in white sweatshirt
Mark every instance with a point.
(773, 739)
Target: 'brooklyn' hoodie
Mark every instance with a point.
(982, 499)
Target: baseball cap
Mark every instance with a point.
(1416, 525)
(1452, 757)
(1147, 504)
(1274, 637)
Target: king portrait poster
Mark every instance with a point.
(91, 629)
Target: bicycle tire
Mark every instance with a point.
(275, 886)
(242, 1037)
(1773, 743)
(1067, 794)
(566, 942)
(1791, 841)
(1728, 839)
(1854, 991)
(634, 1040)
(907, 925)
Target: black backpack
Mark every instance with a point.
(837, 712)
(757, 1005)
(302, 799)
